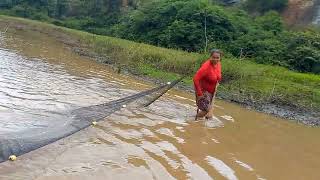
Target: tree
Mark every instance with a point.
(271, 21)
(62, 8)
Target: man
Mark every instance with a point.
(206, 81)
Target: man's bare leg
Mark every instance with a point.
(209, 115)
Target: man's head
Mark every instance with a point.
(216, 55)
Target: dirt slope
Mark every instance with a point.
(300, 12)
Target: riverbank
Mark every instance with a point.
(264, 88)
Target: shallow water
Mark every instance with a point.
(41, 80)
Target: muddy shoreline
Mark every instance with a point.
(299, 115)
(302, 116)
(307, 117)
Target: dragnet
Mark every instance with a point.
(18, 143)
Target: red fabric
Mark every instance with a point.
(207, 78)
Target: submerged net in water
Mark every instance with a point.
(78, 119)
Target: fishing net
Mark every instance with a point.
(25, 141)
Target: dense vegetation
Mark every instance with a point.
(190, 25)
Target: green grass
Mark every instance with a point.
(243, 80)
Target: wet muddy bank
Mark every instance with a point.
(76, 44)
(299, 115)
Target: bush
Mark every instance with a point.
(305, 59)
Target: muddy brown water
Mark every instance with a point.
(40, 77)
